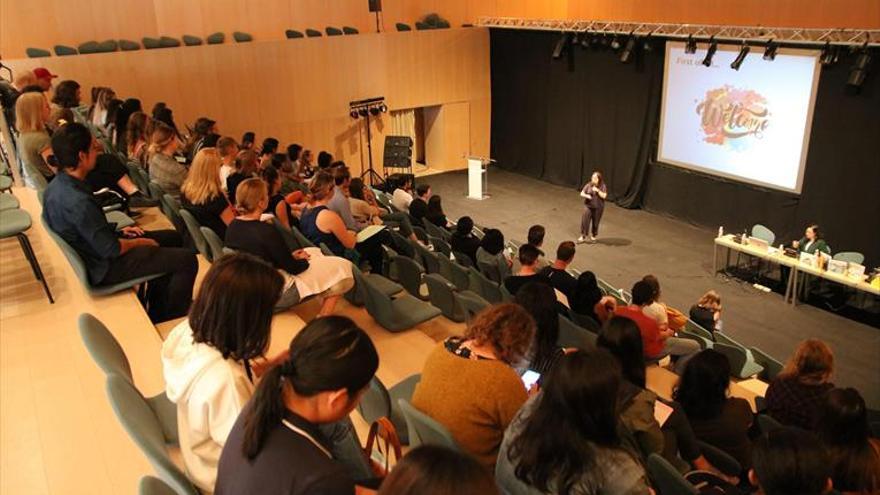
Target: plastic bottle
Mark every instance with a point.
(721, 231)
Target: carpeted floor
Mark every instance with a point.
(633, 243)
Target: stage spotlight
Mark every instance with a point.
(374, 111)
(586, 39)
(353, 114)
(691, 46)
(383, 108)
(738, 61)
(646, 45)
(710, 52)
(626, 54)
(362, 112)
(859, 71)
(560, 45)
(770, 51)
(615, 43)
(829, 55)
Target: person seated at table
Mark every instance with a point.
(796, 395)
(463, 239)
(657, 342)
(306, 272)
(528, 260)
(717, 419)
(201, 193)
(491, 252)
(112, 257)
(707, 311)
(788, 461)
(557, 273)
(811, 242)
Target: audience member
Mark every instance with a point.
(128, 107)
(528, 259)
(209, 359)
(161, 113)
(200, 130)
(589, 301)
(364, 207)
(202, 195)
(535, 237)
(656, 341)
(71, 211)
(246, 163)
(67, 94)
(707, 311)
(247, 140)
(557, 273)
(165, 170)
(796, 395)
(306, 272)
(228, 149)
(418, 207)
(844, 430)
(136, 138)
(565, 440)
(435, 212)
(469, 385)
(491, 253)
(324, 160)
(539, 300)
(305, 166)
(276, 205)
(108, 126)
(790, 462)
(435, 470)
(10, 91)
(323, 225)
(665, 316)
(402, 196)
(101, 97)
(44, 78)
(463, 240)
(34, 145)
(716, 419)
(331, 363)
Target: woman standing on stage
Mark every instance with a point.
(594, 194)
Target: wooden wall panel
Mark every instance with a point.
(298, 90)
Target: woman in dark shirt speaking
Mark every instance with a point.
(594, 194)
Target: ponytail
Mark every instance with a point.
(265, 412)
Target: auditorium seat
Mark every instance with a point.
(486, 288)
(586, 322)
(850, 257)
(471, 303)
(88, 47)
(441, 294)
(720, 459)
(169, 42)
(108, 46)
(332, 31)
(8, 202)
(402, 27)
(37, 52)
(293, 34)
(379, 401)
(386, 286)
(395, 315)
(216, 38)
(215, 244)
(349, 30)
(454, 273)
(436, 231)
(151, 43)
(424, 430)
(772, 367)
(763, 233)
(463, 259)
(15, 222)
(195, 233)
(129, 45)
(440, 246)
(571, 335)
(421, 26)
(667, 480)
(313, 33)
(740, 365)
(409, 274)
(142, 425)
(190, 40)
(428, 257)
(241, 37)
(64, 50)
(421, 234)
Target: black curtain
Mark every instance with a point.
(558, 120)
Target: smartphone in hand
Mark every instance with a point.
(530, 378)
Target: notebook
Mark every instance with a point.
(368, 232)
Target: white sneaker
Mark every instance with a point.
(592, 239)
(582, 239)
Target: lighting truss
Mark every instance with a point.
(737, 34)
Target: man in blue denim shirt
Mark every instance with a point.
(111, 257)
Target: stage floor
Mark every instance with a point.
(633, 243)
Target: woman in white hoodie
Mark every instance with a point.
(207, 358)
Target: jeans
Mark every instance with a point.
(346, 448)
(168, 296)
(682, 349)
(590, 221)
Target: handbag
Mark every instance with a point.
(383, 435)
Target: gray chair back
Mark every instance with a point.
(720, 459)
(455, 273)
(103, 346)
(490, 270)
(767, 423)
(736, 356)
(287, 235)
(471, 303)
(215, 244)
(142, 425)
(154, 486)
(487, 289)
(440, 246)
(772, 367)
(378, 401)
(586, 322)
(692, 327)
(850, 257)
(429, 259)
(462, 259)
(441, 293)
(571, 335)
(409, 274)
(136, 177)
(402, 245)
(666, 479)
(424, 430)
(156, 191)
(171, 209)
(421, 233)
(193, 227)
(303, 241)
(33, 176)
(378, 304)
(435, 231)
(763, 233)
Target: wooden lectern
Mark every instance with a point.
(477, 171)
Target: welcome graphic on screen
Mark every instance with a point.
(751, 125)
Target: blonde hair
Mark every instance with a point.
(24, 79)
(202, 183)
(160, 138)
(249, 193)
(813, 362)
(322, 186)
(227, 146)
(29, 112)
(710, 297)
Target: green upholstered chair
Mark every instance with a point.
(293, 34)
(403, 27)
(89, 47)
(215, 38)
(349, 30)
(571, 335)
(720, 459)
(767, 423)
(15, 222)
(409, 274)
(215, 244)
(79, 268)
(463, 259)
(740, 364)
(422, 26)
(168, 42)
(395, 315)
(129, 45)
(195, 232)
(241, 37)
(379, 401)
(427, 257)
(471, 303)
(313, 33)
(37, 52)
(190, 40)
(772, 367)
(8, 202)
(333, 31)
(436, 231)
(440, 246)
(486, 288)
(64, 50)
(763, 233)
(667, 480)
(442, 24)
(151, 43)
(454, 273)
(301, 239)
(586, 322)
(850, 257)
(421, 233)
(140, 180)
(110, 357)
(441, 294)
(424, 430)
(108, 46)
(403, 246)
(286, 234)
(142, 425)
(154, 486)
(386, 286)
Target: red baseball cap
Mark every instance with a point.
(43, 73)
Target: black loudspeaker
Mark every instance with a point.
(375, 5)
(398, 152)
